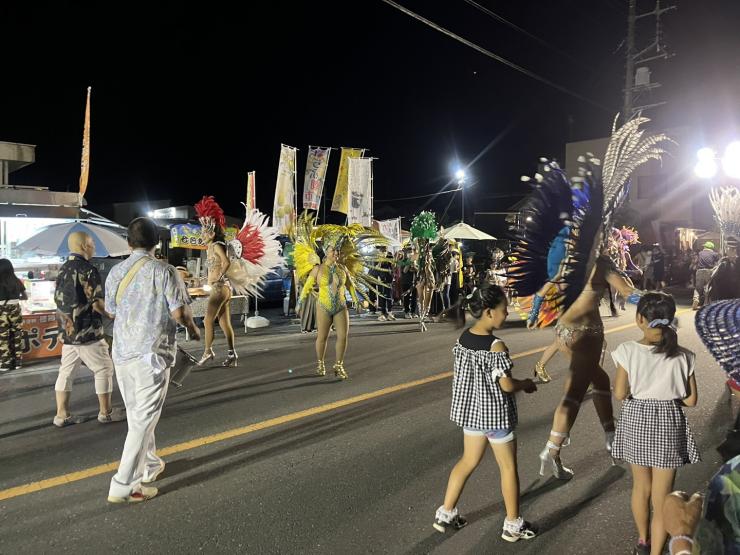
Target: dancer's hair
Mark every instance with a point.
(487, 296)
(658, 306)
(218, 234)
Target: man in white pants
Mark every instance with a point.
(147, 297)
(80, 308)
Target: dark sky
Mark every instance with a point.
(187, 100)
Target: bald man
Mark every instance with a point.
(80, 301)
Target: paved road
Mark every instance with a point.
(354, 475)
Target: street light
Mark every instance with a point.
(460, 176)
(706, 166)
(731, 160)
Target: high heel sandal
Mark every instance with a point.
(207, 355)
(339, 370)
(231, 360)
(320, 368)
(540, 373)
(548, 459)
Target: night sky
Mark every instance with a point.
(187, 100)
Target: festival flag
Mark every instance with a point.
(360, 189)
(313, 184)
(391, 229)
(341, 196)
(284, 209)
(251, 202)
(85, 163)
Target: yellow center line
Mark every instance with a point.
(251, 428)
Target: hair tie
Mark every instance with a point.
(664, 323)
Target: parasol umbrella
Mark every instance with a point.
(465, 231)
(52, 240)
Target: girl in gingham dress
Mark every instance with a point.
(483, 405)
(655, 378)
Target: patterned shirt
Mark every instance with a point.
(78, 286)
(144, 328)
(478, 401)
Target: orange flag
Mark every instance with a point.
(251, 203)
(85, 163)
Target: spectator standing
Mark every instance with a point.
(80, 309)
(706, 260)
(12, 292)
(148, 298)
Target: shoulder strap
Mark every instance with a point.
(126, 281)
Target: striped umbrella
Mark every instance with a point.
(52, 240)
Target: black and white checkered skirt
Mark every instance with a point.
(654, 433)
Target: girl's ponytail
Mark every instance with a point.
(668, 343)
(659, 309)
(487, 296)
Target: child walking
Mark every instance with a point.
(483, 405)
(655, 378)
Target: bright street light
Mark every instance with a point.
(706, 167)
(460, 176)
(731, 160)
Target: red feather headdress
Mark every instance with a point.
(207, 207)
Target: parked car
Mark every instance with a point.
(274, 290)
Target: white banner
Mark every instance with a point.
(391, 229)
(284, 209)
(313, 184)
(360, 191)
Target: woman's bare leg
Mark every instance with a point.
(215, 302)
(224, 321)
(323, 323)
(585, 356)
(341, 325)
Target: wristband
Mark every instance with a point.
(684, 538)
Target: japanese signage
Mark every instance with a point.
(187, 236)
(41, 336)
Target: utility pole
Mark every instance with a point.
(637, 75)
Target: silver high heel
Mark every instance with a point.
(556, 466)
(207, 355)
(231, 360)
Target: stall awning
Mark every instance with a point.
(37, 211)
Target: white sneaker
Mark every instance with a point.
(382, 318)
(407, 316)
(391, 317)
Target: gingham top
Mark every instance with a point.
(477, 398)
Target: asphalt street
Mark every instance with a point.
(267, 458)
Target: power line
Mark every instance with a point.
(496, 57)
(416, 197)
(516, 27)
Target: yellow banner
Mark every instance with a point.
(341, 193)
(85, 163)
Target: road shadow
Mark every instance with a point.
(534, 490)
(284, 439)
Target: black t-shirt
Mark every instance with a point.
(476, 342)
(78, 287)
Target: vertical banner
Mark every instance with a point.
(251, 202)
(85, 163)
(313, 184)
(341, 196)
(284, 209)
(360, 187)
(391, 229)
